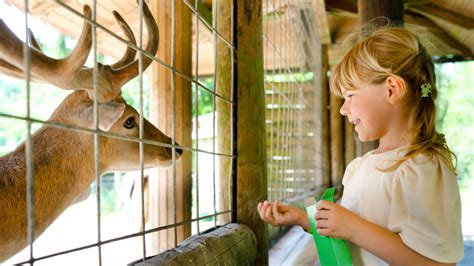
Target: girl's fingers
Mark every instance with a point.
(324, 231)
(262, 210)
(324, 204)
(276, 213)
(268, 213)
(321, 214)
(321, 224)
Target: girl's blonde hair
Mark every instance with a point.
(394, 51)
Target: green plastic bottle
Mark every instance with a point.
(331, 251)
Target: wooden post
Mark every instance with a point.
(337, 136)
(251, 133)
(325, 94)
(322, 26)
(391, 9)
(368, 10)
(349, 142)
(162, 110)
(223, 16)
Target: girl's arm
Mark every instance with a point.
(337, 221)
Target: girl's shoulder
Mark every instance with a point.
(426, 166)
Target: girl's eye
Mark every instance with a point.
(129, 123)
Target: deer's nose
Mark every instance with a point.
(177, 149)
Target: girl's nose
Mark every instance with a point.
(344, 110)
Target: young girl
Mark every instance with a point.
(401, 202)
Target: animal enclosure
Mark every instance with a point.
(209, 55)
(224, 104)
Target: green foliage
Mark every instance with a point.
(456, 114)
(205, 98)
(131, 94)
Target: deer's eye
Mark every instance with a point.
(129, 123)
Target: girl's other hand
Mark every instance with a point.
(278, 215)
(335, 221)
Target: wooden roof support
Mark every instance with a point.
(429, 26)
(345, 5)
(444, 14)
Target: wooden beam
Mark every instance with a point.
(443, 43)
(231, 244)
(251, 133)
(345, 5)
(444, 14)
(162, 109)
(319, 12)
(415, 20)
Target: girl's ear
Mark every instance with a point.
(395, 89)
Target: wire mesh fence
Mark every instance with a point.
(124, 216)
(292, 99)
(166, 212)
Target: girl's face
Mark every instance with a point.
(368, 109)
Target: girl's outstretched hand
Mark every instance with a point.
(278, 215)
(335, 221)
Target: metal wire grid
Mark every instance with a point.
(289, 39)
(140, 53)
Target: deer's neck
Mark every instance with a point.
(58, 181)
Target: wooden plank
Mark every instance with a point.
(288, 87)
(306, 98)
(304, 142)
(251, 160)
(325, 94)
(224, 88)
(162, 111)
(319, 12)
(308, 118)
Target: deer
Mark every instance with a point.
(63, 159)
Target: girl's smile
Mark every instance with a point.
(376, 113)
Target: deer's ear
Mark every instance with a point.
(109, 113)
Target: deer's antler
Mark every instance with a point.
(44, 68)
(69, 73)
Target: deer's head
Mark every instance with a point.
(114, 114)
